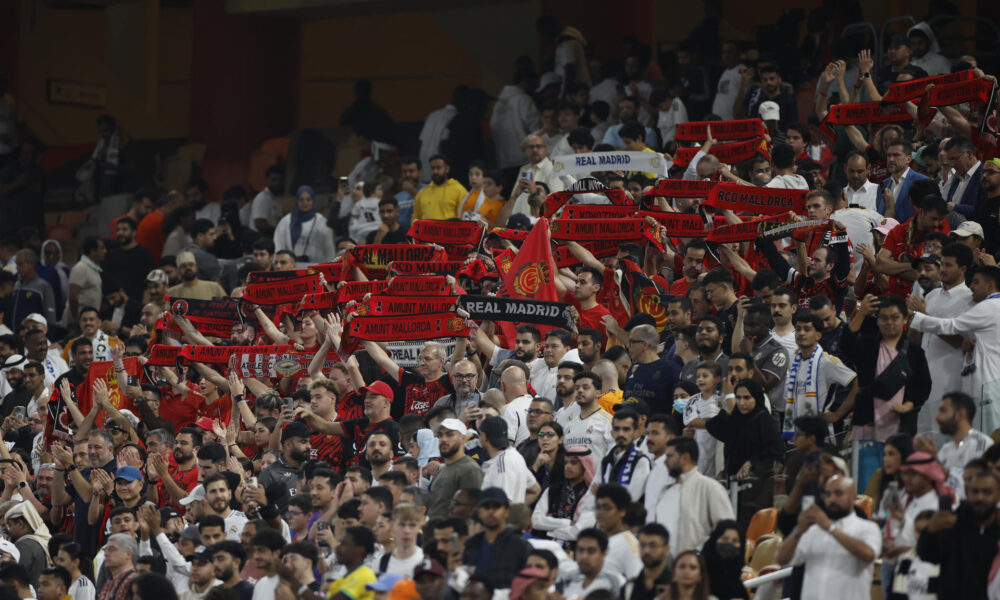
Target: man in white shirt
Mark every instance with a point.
(954, 418)
(859, 191)
(539, 168)
(514, 117)
(785, 177)
(591, 427)
(626, 464)
(505, 468)
(837, 547)
(660, 429)
(435, 130)
(558, 348)
(267, 211)
(945, 351)
(729, 82)
(612, 502)
(515, 392)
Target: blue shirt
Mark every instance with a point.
(405, 201)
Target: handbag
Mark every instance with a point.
(894, 377)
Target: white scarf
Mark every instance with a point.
(812, 389)
(470, 215)
(111, 157)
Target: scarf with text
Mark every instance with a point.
(260, 363)
(730, 154)
(755, 200)
(455, 233)
(901, 91)
(219, 355)
(739, 129)
(519, 310)
(285, 291)
(626, 230)
(408, 327)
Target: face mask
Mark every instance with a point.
(726, 551)
(679, 405)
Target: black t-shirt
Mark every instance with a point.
(393, 237)
(415, 395)
(130, 268)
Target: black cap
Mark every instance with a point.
(898, 39)
(168, 513)
(493, 495)
(519, 221)
(204, 556)
(494, 429)
(934, 259)
(295, 429)
(637, 404)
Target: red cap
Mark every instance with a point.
(204, 422)
(381, 388)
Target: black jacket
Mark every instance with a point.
(965, 553)
(507, 556)
(865, 348)
(752, 437)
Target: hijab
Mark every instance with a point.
(299, 217)
(724, 571)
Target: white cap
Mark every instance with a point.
(134, 420)
(37, 318)
(454, 425)
(968, 228)
(198, 493)
(548, 79)
(770, 111)
(8, 547)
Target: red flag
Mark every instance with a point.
(532, 272)
(60, 422)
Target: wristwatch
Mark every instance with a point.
(22, 485)
(70, 468)
(866, 75)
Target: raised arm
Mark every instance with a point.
(382, 359)
(269, 328)
(742, 266)
(190, 333)
(583, 255)
(212, 375)
(857, 138)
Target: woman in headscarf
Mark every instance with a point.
(303, 231)
(52, 261)
(752, 445)
(724, 552)
(563, 511)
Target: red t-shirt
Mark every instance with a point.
(680, 287)
(905, 243)
(182, 410)
(591, 317)
(351, 406)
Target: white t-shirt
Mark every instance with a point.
(543, 377)
(508, 471)
(953, 457)
(364, 219)
(725, 93)
(234, 525)
(831, 371)
(592, 431)
(831, 571)
(788, 182)
(83, 589)
(623, 555)
(266, 206)
(703, 408)
(516, 415)
(404, 566)
(859, 223)
(266, 588)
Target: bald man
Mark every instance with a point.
(837, 547)
(514, 386)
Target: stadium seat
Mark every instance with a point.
(763, 521)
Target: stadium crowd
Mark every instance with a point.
(484, 371)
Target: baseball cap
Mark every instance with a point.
(898, 39)
(494, 429)
(158, 276)
(428, 565)
(379, 387)
(191, 532)
(968, 228)
(198, 493)
(128, 473)
(519, 221)
(637, 404)
(204, 423)
(185, 257)
(36, 318)
(493, 495)
(384, 582)
(134, 420)
(168, 513)
(888, 224)
(454, 425)
(203, 556)
(548, 79)
(769, 111)
(295, 429)
(933, 259)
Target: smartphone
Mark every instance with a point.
(19, 412)
(944, 502)
(290, 403)
(807, 501)
(343, 182)
(322, 526)
(251, 482)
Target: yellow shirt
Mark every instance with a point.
(438, 202)
(489, 209)
(610, 400)
(643, 173)
(353, 584)
(200, 290)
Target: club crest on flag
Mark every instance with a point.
(362, 308)
(179, 307)
(531, 277)
(456, 324)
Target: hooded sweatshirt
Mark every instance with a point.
(932, 62)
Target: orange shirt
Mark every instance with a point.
(149, 234)
(489, 209)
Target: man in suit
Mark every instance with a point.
(965, 184)
(901, 178)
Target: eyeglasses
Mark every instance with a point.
(547, 434)
(635, 342)
(465, 376)
(538, 411)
